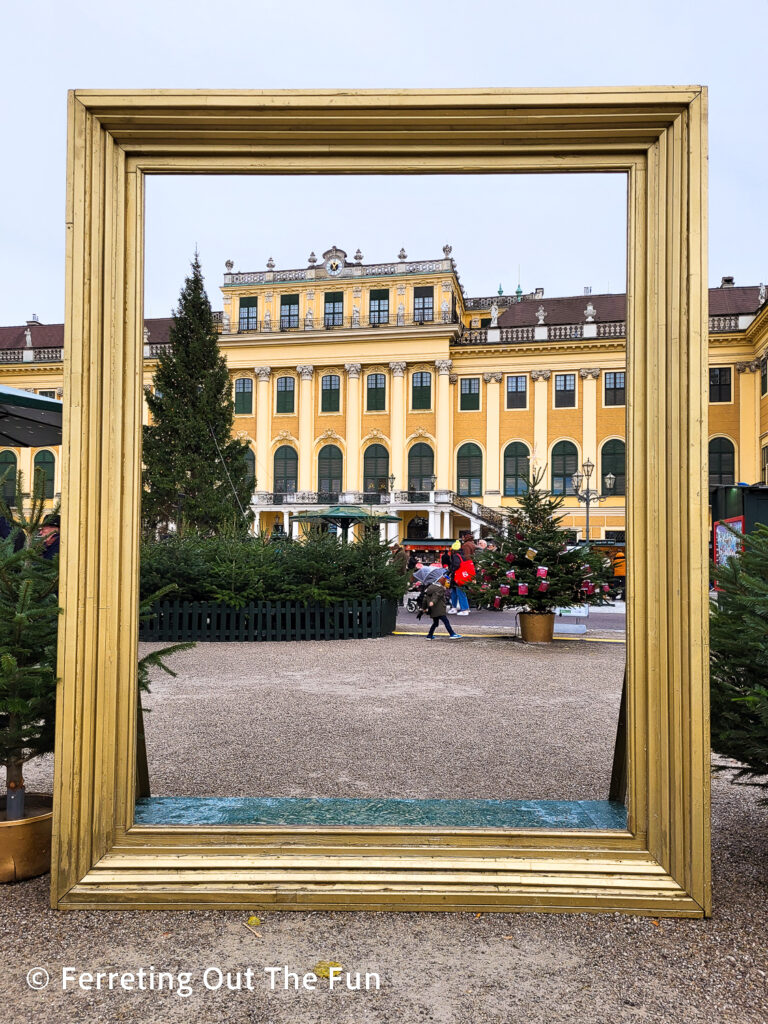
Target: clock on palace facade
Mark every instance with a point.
(334, 261)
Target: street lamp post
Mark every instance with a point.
(587, 495)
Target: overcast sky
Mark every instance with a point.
(562, 232)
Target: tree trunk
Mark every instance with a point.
(14, 806)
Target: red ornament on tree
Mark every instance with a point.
(503, 589)
(510, 574)
(509, 558)
(497, 602)
(522, 588)
(543, 586)
(542, 571)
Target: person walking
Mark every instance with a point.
(459, 600)
(434, 603)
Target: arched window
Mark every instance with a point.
(8, 476)
(418, 528)
(421, 466)
(250, 461)
(613, 460)
(330, 463)
(469, 470)
(565, 459)
(722, 461)
(376, 469)
(243, 396)
(286, 469)
(517, 468)
(44, 471)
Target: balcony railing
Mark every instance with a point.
(31, 355)
(338, 323)
(719, 324)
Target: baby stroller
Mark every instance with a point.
(423, 577)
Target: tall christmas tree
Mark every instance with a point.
(533, 568)
(196, 475)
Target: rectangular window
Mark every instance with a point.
(286, 387)
(376, 387)
(617, 536)
(334, 309)
(330, 389)
(378, 306)
(47, 394)
(614, 388)
(565, 390)
(516, 392)
(423, 304)
(249, 314)
(764, 376)
(720, 384)
(421, 391)
(289, 312)
(469, 395)
(765, 464)
(243, 396)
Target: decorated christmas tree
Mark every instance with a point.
(196, 475)
(533, 568)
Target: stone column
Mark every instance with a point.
(443, 419)
(492, 434)
(306, 373)
(397, 424)
(540, 380)
(748, 462)
(263, 419)
(352, 480)
(590, 377)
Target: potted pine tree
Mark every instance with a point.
(532, 567)
(28, 623)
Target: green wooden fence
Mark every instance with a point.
(269, 620)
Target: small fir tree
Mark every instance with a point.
(196, 475)
(28, 624)
(532, 567)
(739, 658)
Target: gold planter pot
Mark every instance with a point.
(537, 629)
(25, 845)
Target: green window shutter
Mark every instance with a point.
(330, 389)
(243, 396)
(286, 387)
(469, 395)
(376, 391)
(421, 395)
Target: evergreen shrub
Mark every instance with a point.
(235, 572)
(739, 658)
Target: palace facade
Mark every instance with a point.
(384, 384)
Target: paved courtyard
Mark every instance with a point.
(485, 717)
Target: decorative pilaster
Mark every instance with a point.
(443, 422)
(352, 461)
(589, 377)
(263, 416)
(748, 465)
(397, 424)
(492, 432)
(540, 380)
(306, 374)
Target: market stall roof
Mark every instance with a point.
(345, 514)
(28, 420)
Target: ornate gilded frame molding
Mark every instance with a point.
(657, 138)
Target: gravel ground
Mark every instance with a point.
(348, 704)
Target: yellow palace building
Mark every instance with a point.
(384, 384)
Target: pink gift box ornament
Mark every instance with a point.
(542, 571)
(497, 602)
(509, 558)
(510, 574)
(543, 585)
(522, 588)
(503, 589)
(606, 588)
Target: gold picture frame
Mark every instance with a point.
(661, 863)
